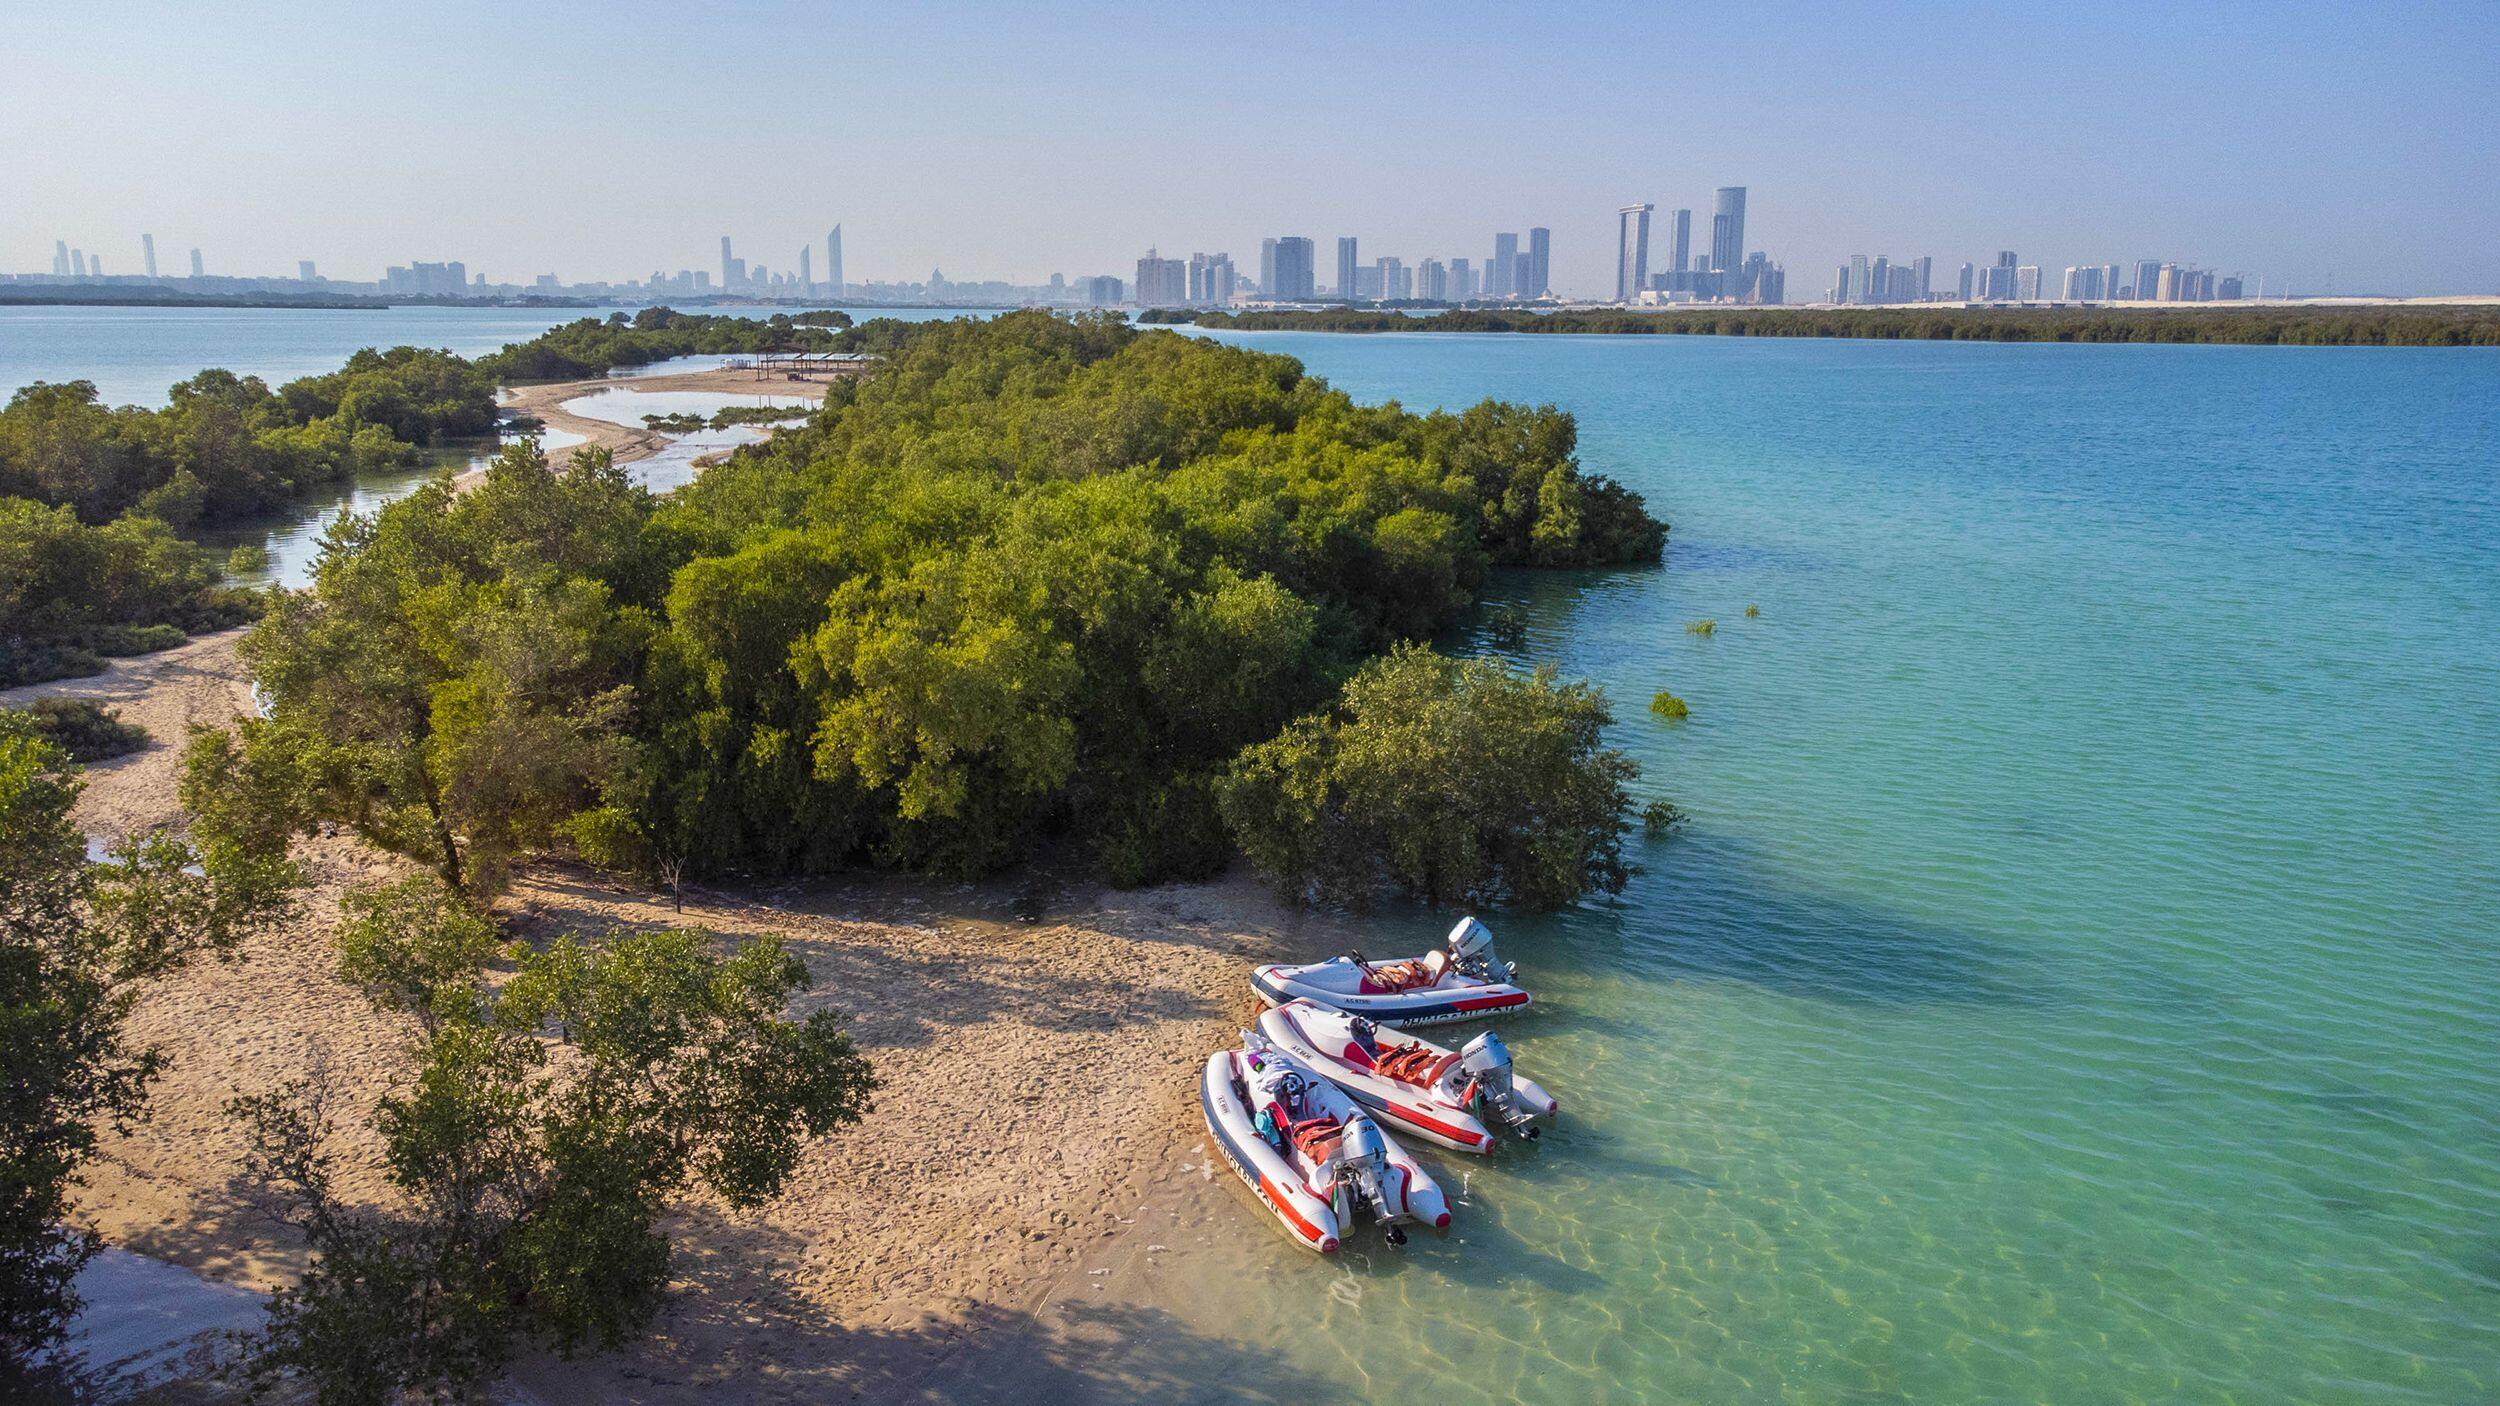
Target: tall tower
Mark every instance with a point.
(1345, 266)
(1501, 277)
(1267, 268)
(1631, 251)
(147, 245)
(833, 260)
(726, 282)
(1680, 242)
(807, 284)
(1727, 230)
(60, 258)
(1540, 263)
(196, 270)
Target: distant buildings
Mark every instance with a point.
(1501, 272)
(1540, 264)
(1161, 282)
(1211, 280)
(1464, 281)
(1296, 278)
(833, 261)
(1346, 272)
(147, 247)
(1727, 231)
(1631, 251)
(1101, 292)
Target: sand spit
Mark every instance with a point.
(546, 401)
(1037, 1099)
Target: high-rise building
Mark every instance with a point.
(1727, 230)
(1161, 282)
(1631, 251)
(60, 258)
(2083, 283)
(2027, 283)
(304, 270)
(1463, 285)
(95, 266)
(2147, 279)
(1267, 267)
(1540, 264)
(1345, 266)
(1210, 280)
(1680, 241)
(78, 263)
(1102, 291)
(833, 261)
(1432, 281)
(1861, 280)
(1297, 270)
(807, 280)
(1923, 278)
(1498, 273)
(196, 271)
(147, 246)
(1879, 280)
(1840, 284)
(1519, 269)
(728, 279)
(1961, 289)
(2109, 280)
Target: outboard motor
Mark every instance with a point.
(1486, 1064)
(1362, 1176)
(1471, 951)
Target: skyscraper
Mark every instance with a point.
(1267, 267)
(78, 263)
(1345, 266)
(1296, 270)
(1462, 280)
(1498, 274)
(304, 270)
(147, 245)
(1727, 230)
(2147, 279)
(1925, 283)
(1962, 289)
(833, 260)
(195, 265)
(1680, 242)
(1540, 264)
(1432, 281)
(807, 281)
(1161, 282)
(2027, 283)
(60, 258)
(1631, 251)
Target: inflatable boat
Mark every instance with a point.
(1461, 1099)
(1460, 980)
(1314, 1157)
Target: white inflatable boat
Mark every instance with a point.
(1459, 1099)
(1318, 1161)
(1461, 980)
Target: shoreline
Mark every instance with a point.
(546, 400)
(1034, 1113)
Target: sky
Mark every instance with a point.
(2352, 148)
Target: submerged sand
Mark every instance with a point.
(546, 400)
(1036, 1121)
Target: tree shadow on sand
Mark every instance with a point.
(738, 1328)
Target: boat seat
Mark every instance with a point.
(1390, 978)
(1316, 1137)
(1417, 1065)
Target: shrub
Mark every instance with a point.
(124, 641)
(248, 559)
(1702, 627)
(1452, 780)
(1753, 612)
(1668, 706)
(1660, 818)
(85, 731)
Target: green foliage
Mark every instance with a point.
(1661, 818)
(1753, 612)
(1668, 706)
(2463, 325)
(592, 347)
(71, 594)
(247, 559)
(1038, 576)
(1451, 780)
(682, 422)
(758, 414)
(1703, 628)
(227, 446)
(532, 1182)
(416, 947)
(77, 941)
(83, 731)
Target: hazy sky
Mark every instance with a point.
(2359, 146)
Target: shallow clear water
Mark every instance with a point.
(2080, 979)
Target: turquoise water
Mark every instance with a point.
(2080, 978)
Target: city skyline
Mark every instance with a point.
(985, 147)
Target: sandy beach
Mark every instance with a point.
(546, 401)
(1035, 1117)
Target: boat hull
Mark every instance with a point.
(1432, 1005)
